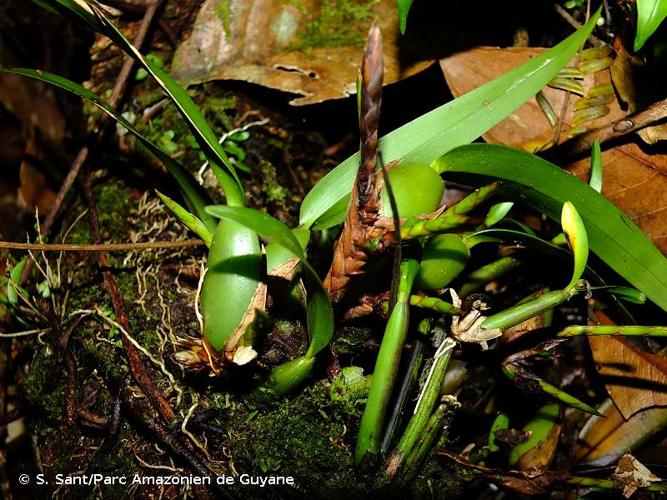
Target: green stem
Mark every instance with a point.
(630, 331)
(494, 270)
(386, 366)
(473, 200)
(424, 408)
(409, 380)
(451, 218)
(284, 378)
(526, 310)
(414, 228)
(432, 433)
(435, 304)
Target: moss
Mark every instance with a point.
(223, 10)
(308, 437)
(42, 387)
(274, 192)
(338, 23)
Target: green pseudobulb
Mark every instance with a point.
(443, 259)
(417, 188)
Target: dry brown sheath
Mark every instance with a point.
(360, 224)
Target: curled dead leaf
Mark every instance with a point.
(631, 474)
(653, 134)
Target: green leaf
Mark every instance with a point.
(403, 10)
(497, 212)
(612, 235)
(189, 220)
(458, 122)
(193, 193)
(650, 13)
(575, 231)
(596, 167)
(624, 292)
(13, 285)
(95, 18)
(320, 311)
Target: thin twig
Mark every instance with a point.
(575, 24)
(162, 434)
(100, 247)
(632, 123)
(137, 368)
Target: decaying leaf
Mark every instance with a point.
(635, 380)
(34, 193)
(653, 134)
(624, 75)
(631, 474)
(633, 179)
(604, 439)
(305, 47)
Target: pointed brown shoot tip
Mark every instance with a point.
(373, 66)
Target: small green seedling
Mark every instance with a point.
(13, 284)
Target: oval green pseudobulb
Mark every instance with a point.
(540, 428)
(443, 259)
(417, 188)
(234, 271)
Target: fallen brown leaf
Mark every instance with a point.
(635, 380)
(633, 179)
(34, 192)
(261, 41)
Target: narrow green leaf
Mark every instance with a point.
(13, 285)
(189, 220)
(194, 118)
(532, 180)
(320, 312)
(623, 292)
(575, 231)
(193, 193)
(650, 13)
(403, 11)
(497, 212)
(596, 167)
(458, 122)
